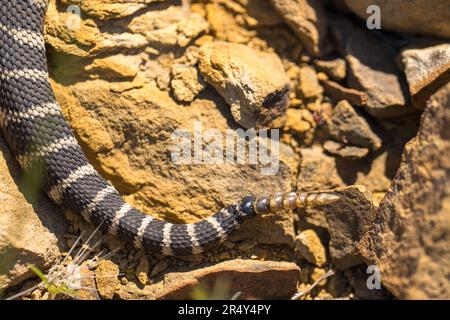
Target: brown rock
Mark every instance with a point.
(317, 171)
(309, 84)
(311, 247)
(344, 151)
(296, 121)
(358, 281)
(348, 221)
(307, 19)
(105, 10)
(31, 227)
(59, 36)
(427, 68)
(116, 66)
(142, 270)
(337, 92)
(106, 278)
(186, 82)
(420, 16)
(348, 126)
(224, 25)
(336, 68)
(255, 279)
(172, 26)
(372, 69)
(409, 241)
(253, 83)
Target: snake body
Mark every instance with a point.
(41, 140)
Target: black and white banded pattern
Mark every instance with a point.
(34, 127)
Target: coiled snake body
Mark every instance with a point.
(34, 127)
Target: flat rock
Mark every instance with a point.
(31, 227)
(427, 68)
(429, 17)
(335, 68)
(169, 27)
(106, 10)
(409, 240)
(350, 127)
(255, 279)
(345, 151)
(338, 92)
(253, 83)
(348, 221)
(307, 19)
(372, 69)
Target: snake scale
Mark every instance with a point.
(38, 135)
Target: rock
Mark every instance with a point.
(112, 10)
(159, 267)
(428, 17)
(172, 26)
(309, 84)
(62, 39)
(348, 126)
(255, 279)
(106, 278)
(116, 66)
(253, 83)
(427, 68)
(87, 283)
(372, 69)
(344, 151)
(337, 92)
(311, 247)
(408, 241)
(348, 221)
(224, 25)
(31, 227)
(358, 281)
(317, 172)
(336, 68)
(186, 82)
(307, 19)
(297, 121)
(142, 270)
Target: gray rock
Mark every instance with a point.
(344, 151)
(372, 69)
(348, 126)
(336, 68)
(409, 239)
(427, 67)
(349, 219)
(428, 17)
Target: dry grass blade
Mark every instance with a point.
(300, 294)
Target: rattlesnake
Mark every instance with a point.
(42, 141)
